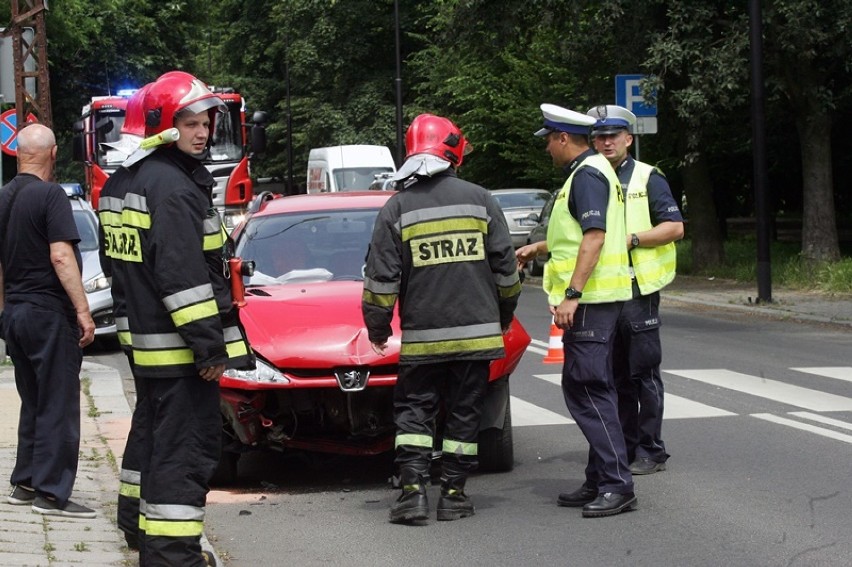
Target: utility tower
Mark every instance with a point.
(30, 14)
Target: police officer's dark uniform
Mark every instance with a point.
(638, 353)
(440, 247)
(40, 328)
(181, 320)
(590, 200)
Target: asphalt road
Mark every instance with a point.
(758, 423)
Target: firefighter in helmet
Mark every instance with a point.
(435, 232)
(184, 328)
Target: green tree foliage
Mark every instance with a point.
(488, 65)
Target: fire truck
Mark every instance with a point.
(235, 142)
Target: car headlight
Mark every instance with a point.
(232, 219)
(262, 373)
(96, 283)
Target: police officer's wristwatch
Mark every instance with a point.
(634, 240)
(572, 293)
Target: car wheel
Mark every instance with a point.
(227, 469)
(496, 448)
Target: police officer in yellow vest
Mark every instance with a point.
(587, 282)
(654, 223)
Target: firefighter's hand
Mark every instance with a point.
(212, 373)
(87, 329)
(379, 348)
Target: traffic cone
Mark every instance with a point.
(555, 354)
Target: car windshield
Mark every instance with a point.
(307, 246)
(88, 229)
(530, 200)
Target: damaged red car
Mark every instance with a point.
(318, 385)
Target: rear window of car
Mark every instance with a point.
(88, 229)
(518, 200)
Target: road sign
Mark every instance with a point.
(628, 94)
(9, 131)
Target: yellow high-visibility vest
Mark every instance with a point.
(610, 280)
(655, 267)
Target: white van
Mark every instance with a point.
(347, 168)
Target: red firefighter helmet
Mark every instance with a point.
(134, 115)
(176, 92)
(438, 136)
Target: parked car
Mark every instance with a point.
(518, 205)
(96, 285)
(318, 385)
(538, 233)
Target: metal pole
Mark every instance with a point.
(290, 189)
(398, 84)
(636, 138)
(761, 199)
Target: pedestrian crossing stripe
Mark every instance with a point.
(676, 407)
(783, 392)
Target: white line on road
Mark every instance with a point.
(682, 408)
(804, 427)
(770, 389)
(822, 419)
(525, 413)
(839, 372)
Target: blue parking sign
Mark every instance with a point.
(628, 94)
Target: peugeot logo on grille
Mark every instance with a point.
(352, 380)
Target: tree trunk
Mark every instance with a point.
(819, 225)
(704, 230)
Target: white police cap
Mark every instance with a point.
(611, 118)
(558, 119)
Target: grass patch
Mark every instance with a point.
(787, 266)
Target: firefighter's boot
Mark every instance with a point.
(454, 504)
(412, 505)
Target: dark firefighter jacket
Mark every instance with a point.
(170, 244)
(442, 248)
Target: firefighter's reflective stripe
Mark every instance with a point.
(160, 349)
(129, 483)
(122, 328)
(109, 211)
(414, 440)
(191, 304)
(135, 212)
(234, 342)
(382, 294)
(459, 447)
(441, 213)
(507, 286)
(214, 233)
(171, 520)
(483, 336)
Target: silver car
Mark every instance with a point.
(96, 285)
(521, 208)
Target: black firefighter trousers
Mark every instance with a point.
(420, 392)
(180, 455)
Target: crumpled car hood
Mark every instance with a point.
(312, 325)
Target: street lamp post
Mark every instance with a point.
(398, 85)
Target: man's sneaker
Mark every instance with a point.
(71, 509)
(21, 496)
(454, 505)
(644, 465)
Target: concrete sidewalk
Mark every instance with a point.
(28, 538)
